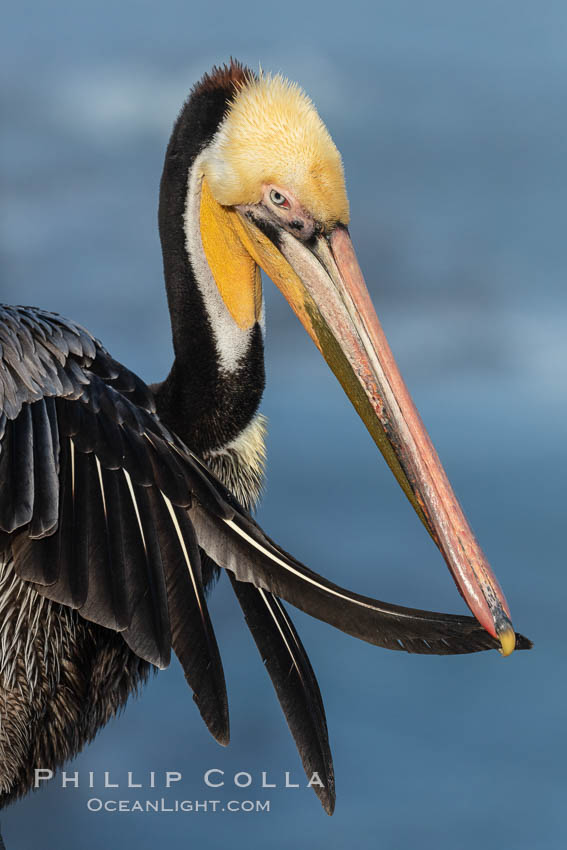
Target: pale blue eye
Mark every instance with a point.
(278, 199)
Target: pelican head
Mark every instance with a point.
(273, 196)
(272, 139)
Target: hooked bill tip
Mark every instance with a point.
(507, 638)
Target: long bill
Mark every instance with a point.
(324, 285)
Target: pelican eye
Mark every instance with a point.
(278, 199)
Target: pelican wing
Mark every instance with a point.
(93, 499)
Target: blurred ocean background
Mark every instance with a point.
(452, 121)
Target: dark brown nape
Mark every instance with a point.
(204, 407)
(223, 77)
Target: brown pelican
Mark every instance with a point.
(119, 503)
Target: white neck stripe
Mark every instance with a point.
(231, 341)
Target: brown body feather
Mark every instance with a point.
(62, 678)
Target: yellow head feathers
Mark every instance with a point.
(272, 133)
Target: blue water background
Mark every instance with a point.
(452, 123)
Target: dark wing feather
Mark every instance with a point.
(294, 681)
(235, 542)
(16, 472)
(45, 468)
(192, 636)
(239, 545)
